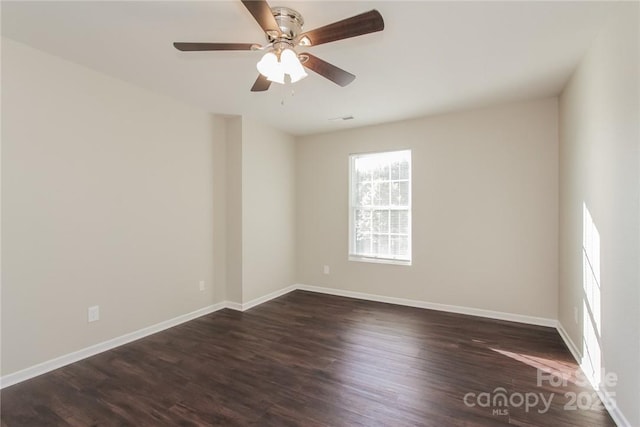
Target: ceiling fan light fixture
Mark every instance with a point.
(296, 77)
(274, 69)
(277, 75)
(292, 66)
(271, 68)
(283, 28)
(268, 64)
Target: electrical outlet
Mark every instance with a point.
(575, 314)
(202, 285)
(326, 269)
(93, 313)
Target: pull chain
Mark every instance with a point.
(284, 95)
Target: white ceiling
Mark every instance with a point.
(431, 58)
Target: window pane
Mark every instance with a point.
(404, 194)
(381, 244)
(380, 221)
(400, 193)
(399, 222)
(381, 172)
(364, 194)
(399, 245)
(363, 245)
(362, 173)
(404, 169)
(395, 193)
(362, 222)
(395, 170)
(381, 194)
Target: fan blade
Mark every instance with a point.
(188, 47)
(329, 71)
(365, 23)
(262, 13)
(261, 84)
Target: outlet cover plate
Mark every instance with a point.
(93, 313)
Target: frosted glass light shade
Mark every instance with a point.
(268, 64)
(274, 69)
(292, 65)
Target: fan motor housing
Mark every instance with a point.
(289, 21)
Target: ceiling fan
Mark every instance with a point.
(282, 27)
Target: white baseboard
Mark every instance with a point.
(59, 362)
(603, 394)
(573, 348)
(260, 300)
(531, 320)
(612, 408)
(233, 305)
(64, 360)
(67, 359)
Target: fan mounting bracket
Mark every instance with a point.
(289, 21)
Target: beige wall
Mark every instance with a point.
(117, 197)
(268, 210)
(599, 164)
(485, 224)
(107, 199)
(234, 209)
(219, 161)
(260, 210)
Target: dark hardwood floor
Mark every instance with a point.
(308, 359)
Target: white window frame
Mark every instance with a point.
(352, 209)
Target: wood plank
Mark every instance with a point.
(309, 360)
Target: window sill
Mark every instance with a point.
(378, 260)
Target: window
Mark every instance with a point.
(380, 207)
